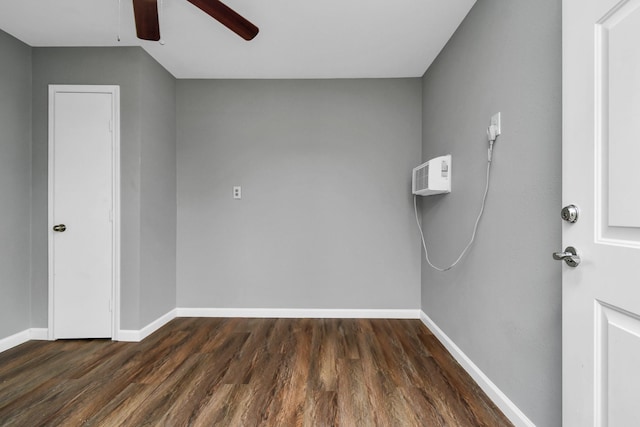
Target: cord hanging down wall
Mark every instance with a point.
(434, 177)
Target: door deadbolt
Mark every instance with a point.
(570, 213)
(570, 256)
(60, 228)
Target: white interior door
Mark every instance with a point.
(601, 174)
(82, 140)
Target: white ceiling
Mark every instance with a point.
(297, 39)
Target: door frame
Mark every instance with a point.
(114, 91)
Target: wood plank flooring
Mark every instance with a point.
(245, 372)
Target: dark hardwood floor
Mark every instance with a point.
(245, 372)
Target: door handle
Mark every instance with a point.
(570, 256)
(60, 228)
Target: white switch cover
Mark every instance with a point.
(495, 121)
(237, 192)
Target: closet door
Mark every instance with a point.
(81, 211)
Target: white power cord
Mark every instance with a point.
(491, 134)
(119, 18)
(161, 21)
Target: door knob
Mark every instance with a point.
(570, 256)
(59, 227)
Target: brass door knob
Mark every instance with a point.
(60, 228)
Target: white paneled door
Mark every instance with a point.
(601, 175)
(82, 210)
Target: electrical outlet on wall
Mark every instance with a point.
(237, 192)
(496, 122)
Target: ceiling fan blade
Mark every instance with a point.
(147, 24)
(227, 17)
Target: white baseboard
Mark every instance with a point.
(501, 400)
(128, 335)
(15, 340)
(136, 335)
(301, 313)
(41, 334)
(22, 337)
(133, 335)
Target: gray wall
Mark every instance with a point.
(502, 305)
(326, 217)
(129, 68)
(108, 66)
(157, 192)
(15, 184)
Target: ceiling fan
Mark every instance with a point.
(148, 25)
